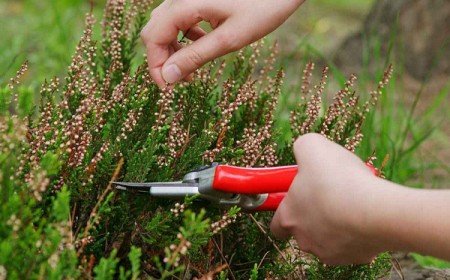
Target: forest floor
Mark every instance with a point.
(406, 268)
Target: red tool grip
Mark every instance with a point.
(232, 179)
(275, 181)
(271, 203)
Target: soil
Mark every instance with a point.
(408, 269)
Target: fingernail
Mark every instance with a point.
(171, 73)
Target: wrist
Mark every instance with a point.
(378, 215)
(418, 222)
(389, 216)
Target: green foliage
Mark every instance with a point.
(44, 240)
(50, 163)
(45, 33)
(5, 97)
(396, 131)
(195, 228)
(106, 268)
(371, 271)
(254, 272)
(427, 261)
(135, 260)
(108, 121)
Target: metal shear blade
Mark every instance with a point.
(164, 189)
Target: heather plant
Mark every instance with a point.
(108, 121)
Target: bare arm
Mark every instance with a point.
(339, 211)
(411, 219)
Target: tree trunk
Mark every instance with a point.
(417, 30)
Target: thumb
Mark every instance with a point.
(188, 59)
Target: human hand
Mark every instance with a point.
(236, 23)
(327, 208)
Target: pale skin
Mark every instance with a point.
(236, 24)
(336, 208)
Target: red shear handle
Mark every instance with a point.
(273, 200)
(271, 203)
(275, 181)
(232, 179)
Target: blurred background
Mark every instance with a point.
(411, 129)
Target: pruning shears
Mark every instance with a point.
(252, 189)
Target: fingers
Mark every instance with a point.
(156, 55)
(235, 24)
(311, 144)
(175, 47)
(215, 44)
(214, 23)
(162, 30)
(194, 33)
(280, 226)
(316, 154)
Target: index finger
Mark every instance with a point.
(156, 56)
(161, 30)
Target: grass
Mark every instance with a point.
(428, 261)
(46, 32)
(43, 32)
(395, 132)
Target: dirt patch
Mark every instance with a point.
(407, 269)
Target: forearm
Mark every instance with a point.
(406, 219)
